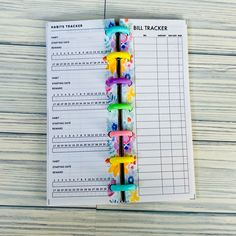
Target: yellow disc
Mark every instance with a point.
(117, 160)
(114, 55)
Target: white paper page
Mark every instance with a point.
(164, 140)
(77, 113)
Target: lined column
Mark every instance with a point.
(160, 115)
(147, 115)
(165, 114)
(183, 118)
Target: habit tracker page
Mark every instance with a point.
(163, 116)
(77, 114)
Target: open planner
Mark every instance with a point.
(118, 109)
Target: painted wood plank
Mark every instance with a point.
(163, 223)
(40, 9)
(213, 14)
(23, 90)
(23, 22)
(50, 10)
(26, 31)
(211, 29)
(31, 147)
(23, 177)
(45, 221)
(211, 41)
(203, 205)
(201, 14)
(58, 221)
(12, 8)
(28, 123)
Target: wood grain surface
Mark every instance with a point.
(212, 66)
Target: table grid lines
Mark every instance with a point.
(159, 114)
(167, 115)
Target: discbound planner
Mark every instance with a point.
(118, 112)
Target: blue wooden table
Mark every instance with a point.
(212, 65)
